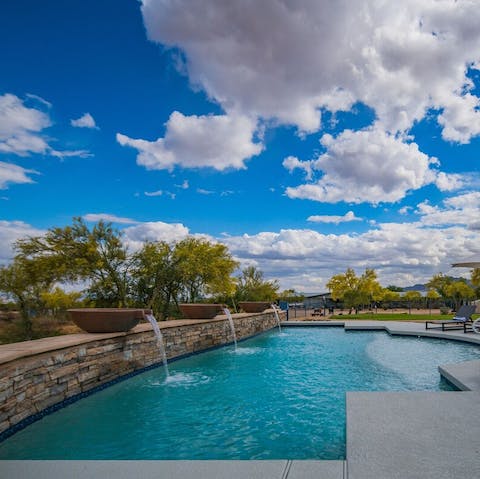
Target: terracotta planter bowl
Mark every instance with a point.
(106, 320)
(200, 310)
(254, 306)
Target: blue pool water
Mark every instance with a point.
(279, 396)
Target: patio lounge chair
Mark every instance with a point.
(463, 316)
(472, 326)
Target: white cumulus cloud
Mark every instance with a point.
(402, 254)
(10, 173)
(335, 219)
(289, 60)
(11, 231)
(458, 210)
(215, 141)
(136, 235)
(85, 121)
(20, 127)
(94, 217)
(369, 165)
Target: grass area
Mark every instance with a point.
(395, 316)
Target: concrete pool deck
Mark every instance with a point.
(390, 435)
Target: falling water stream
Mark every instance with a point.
(160, 342)
(232, 326)
(275, 310)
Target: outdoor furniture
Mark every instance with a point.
(463, 317)
(472, 327)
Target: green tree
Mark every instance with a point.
(432, 296)
(475, 278)
(205, 268)
(392, 287)
(156, 278)
(23, 282)
(252, 286)
(459, 291)
(355, 291)
(75, 252)
(389, 296)
(439, 283)
(412, 298)
(57, 301)
(291, 296)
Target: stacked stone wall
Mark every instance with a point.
(34, 383)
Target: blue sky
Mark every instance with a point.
(308, 137)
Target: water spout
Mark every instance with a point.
(160, 343)
(232, 326)
(277, 317)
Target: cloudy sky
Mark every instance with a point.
(309, 136)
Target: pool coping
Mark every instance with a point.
(365, 459)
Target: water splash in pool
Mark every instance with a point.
(160, 342)
(274, 307)
(248, 351)
(232, 326)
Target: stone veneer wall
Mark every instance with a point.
(72, 365)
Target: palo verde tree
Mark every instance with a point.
(355, 291)
(205, 269)
(290, 296)
(156, 278)
(452, 291)
(439, 283)
(459, 291)
(252, 286)
(432, 296)
(475, 279)
(412, 298)
(78, 253)
(24, 282)
(390, 296)
(57, 301)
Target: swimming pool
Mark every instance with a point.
(279, 396)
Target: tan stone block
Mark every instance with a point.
(71, 354)
(40, 396)
(88, 375)
(6, 394)
(21, 416)
(21, 385)
(73, 391)
(87, 385)
(58, 389)
(8, 408)
(5, 383)
(4, 425)
(94, 351)
(63, 371)
(35, 389)
(49, 401)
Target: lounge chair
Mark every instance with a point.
(472, 327)
(463, 317)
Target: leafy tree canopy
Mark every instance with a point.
(252, 286)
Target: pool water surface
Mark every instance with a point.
(278, 396)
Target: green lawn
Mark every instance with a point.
(395, 316)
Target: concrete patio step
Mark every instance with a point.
(413, 435)
(281, 469)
